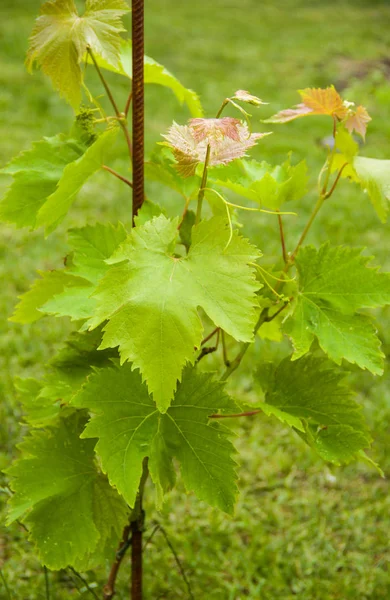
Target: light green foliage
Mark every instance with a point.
(61, 37)
(161, 167)
(261, 183)
(308, 394)
(372, 174)
(151, 298)
(333, 284)
(59, 494)
(36, 174)
(157, 74)
(74, 176)
(67, 292)
(48, 177)
(50, 284)
(130, 427)
(374, 177)
(45, 401)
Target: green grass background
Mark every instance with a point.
(302, 529)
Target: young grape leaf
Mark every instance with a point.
(161, 168)
(130, 427)
(48, 177)
(261, 183)
(374, 177)
(50, 284)
(61, 37)
(67, 292)
(46, 400)
(75, 174)
(358, 121)
(308, 394)
(315, 101)
(333, 284)
(36, 174)
(58, 494)
(151, 298)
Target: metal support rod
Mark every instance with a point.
(138, 104)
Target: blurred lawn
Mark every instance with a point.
(301, 530)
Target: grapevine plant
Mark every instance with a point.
(128, 397)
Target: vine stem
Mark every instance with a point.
(137, 527)
(206, 164)
(109, 588)
(202, 186)
(282, 239)
(120, 116)
(3, 579)
(118, 175)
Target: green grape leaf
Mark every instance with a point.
(147, 211)
(151, 298)
(61, 37)
(161, 168)
(333, 284)
(130, 427)
(58, 494)
(50, 284)
(337, 443)
(261, 183)
(36, 174)
(374, 177)
(75, 174)
(154, 73)
(46, 400)
(309, 395)
(67, 292)
(92, 245)
(37, 411)
(47, 178)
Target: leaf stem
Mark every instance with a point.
(137, 526)
(85, 582)
(282, 239)
(109, 588)
(157, 528)
(128, 102)
(3, 579)
(202, 186)
(120, 116)
(118, 175)
(235, 363)
(249, 413)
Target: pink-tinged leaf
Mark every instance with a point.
(289, 114)
(227, 138)
(215, 129)
(358, 121)
(244, 96)
(315, 101)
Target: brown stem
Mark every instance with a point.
(282, 240)
(208, 337)
(137, 527)
(235, 363)
(224, 351)
(119, 115)
(109, 588)
(118, 175)
(138, 104)
(128, 102)
(249, 413)
(332, 189)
